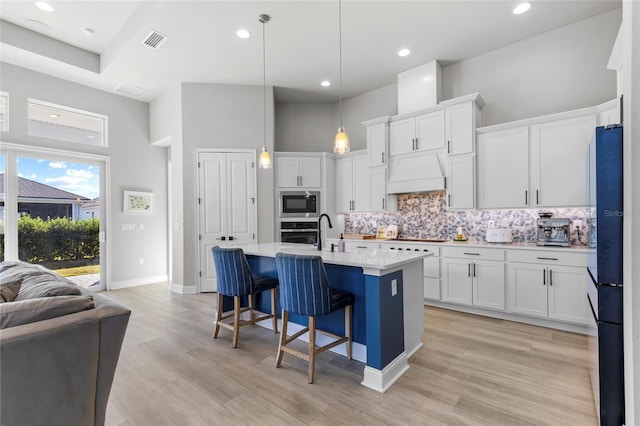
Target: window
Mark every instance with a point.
(48, 120)
(4, 111)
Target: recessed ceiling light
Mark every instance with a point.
(44, 6)
(521, 8)
(403, 52)
(325, 83)
(54, 115)
(242, 33)
(88, 31)
(38, 24)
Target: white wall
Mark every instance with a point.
(222, 116)
(557, 71)
(631, 155)
(135, 165)
(305, 127)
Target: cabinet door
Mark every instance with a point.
(559, 169)
(378, 188)
(503, 169)
(402, 136)
(457, 281)
(488, 285)
(310, 172)
(430, 131)
(568, 294)
(287, 172)
(527, 285)
(461, 183)
(344, 184)
(360, 179)
(377, 144)
(460, 128)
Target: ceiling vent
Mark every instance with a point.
(130, 91)
(154, 39)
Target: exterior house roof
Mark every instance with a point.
(30, 189)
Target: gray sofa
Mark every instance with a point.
(59, 347)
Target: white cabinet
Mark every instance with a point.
(460, 128)
(503, 168)
(549, 285)
(474, 277)
(377, 142)
(352, 183)
(298, 171)
(558, 166)
(461, 183)
(417, 134)
(379, 200)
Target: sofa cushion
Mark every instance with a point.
(9, 290)
(37, 281)
(42, 308)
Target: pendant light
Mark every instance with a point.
(264, 162)
(341, 143)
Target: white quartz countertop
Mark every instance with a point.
(369, 259)
(470, 243)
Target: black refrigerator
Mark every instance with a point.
(604, 288)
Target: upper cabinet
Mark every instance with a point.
(462, 115)
(558, 161)
(417, 134)
(298, 171)
(352, 183)
(377, 141)
(461, 183)
(503, 169)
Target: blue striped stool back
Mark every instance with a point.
(232, 270)
(304, 286)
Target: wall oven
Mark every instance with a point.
(299, 232)
(299, 203)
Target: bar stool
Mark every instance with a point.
(305, 290)
(235, 279)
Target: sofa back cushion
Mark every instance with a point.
(9, 290)
(43, 308)
(37, 281)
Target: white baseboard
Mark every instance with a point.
(381, 380)
(183, 289)
(115, 285)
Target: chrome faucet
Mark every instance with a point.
(320, 229)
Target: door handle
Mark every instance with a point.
(537, 197)
(449, 200)
(230, 237)
(526, 197)
(300, 180)
(550, 277)
(472, 254)
(474, 269)
(448, 147)
(468, 269)
(417, 145)
(382, 157)
(222, 238)
(544, 277)
(383, 202)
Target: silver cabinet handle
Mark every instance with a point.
(547, 258)
(448, 147)
(474, 269)
(472, 254)
(383, 204)
(468, 269)
(537, 197)
(550, 277)
(544, 277)
(526, 197)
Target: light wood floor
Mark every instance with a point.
(471, 371)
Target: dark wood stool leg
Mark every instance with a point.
(312, 347)
(274, 312)
(218, 315)
(236, 320)
(283, 337)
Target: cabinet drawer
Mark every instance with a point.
(549, 257)
(392, 245)
(432, 267)
(473, 253)
(361, 245)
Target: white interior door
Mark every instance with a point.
(227, 209)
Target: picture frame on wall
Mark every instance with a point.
(138, 202)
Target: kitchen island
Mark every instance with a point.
(388, 311)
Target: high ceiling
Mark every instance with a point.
(301, 40)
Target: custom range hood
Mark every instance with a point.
(419, 173)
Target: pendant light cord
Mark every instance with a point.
(340, 56)
(264, 86)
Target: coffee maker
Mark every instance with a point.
(553, 231)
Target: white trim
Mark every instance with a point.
(5, 126)
(183, 289)
(138, 282)
(381, 380)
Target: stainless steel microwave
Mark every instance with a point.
(299, 204)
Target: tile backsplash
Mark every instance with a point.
(425, 215)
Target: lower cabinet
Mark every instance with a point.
(548, 291)
(474, 282)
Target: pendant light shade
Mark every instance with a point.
(341, 142)
(264, 162)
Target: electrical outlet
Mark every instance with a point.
(394, 287)
(140, 262)
(128, 226)
(141, 226)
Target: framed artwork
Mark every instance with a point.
(138, 202)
